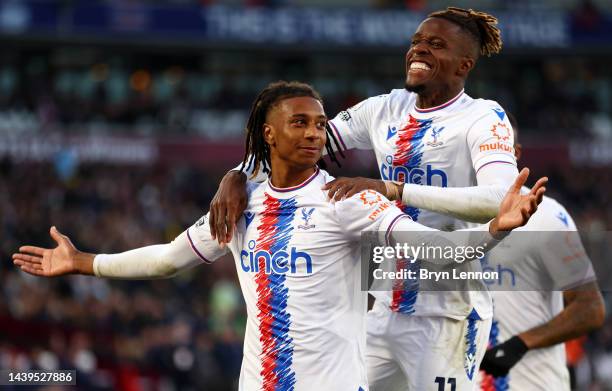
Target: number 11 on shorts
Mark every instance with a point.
(441, 381)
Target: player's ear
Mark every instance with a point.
(518, 151)
(466, 65)
(268, 133)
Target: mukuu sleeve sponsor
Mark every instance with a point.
(491, 139)
(201, 242)
(352, 126)
(366, 211)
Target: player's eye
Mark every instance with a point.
(436, 44)
(298, 122)
(321, 125)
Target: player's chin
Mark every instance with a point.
(307, 161)
(412, 85)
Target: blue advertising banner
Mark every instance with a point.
(261, 26)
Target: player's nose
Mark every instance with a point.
(418, 48)
(312, 132)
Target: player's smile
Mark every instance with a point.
(418, 70)
(311, 150)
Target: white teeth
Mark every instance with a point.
(419, 65)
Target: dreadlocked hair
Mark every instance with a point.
(257, 153)
(480, 24)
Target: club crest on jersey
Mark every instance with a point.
(306, 216)
(435, 132)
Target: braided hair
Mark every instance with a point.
(480, 25)
(257, 149)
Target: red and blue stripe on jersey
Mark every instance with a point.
(490, 383)
(408, 153)
(275, 231)
(470, 344)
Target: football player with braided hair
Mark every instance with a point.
(447, 159)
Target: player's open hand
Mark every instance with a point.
(48, 262)
(343, 187)
(516, 208)
(227, 206)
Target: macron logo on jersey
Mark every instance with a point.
(500, 113)
(391, 131)
(248, 218)
(563, 217)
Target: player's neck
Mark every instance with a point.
(284, 176)
(427, 100)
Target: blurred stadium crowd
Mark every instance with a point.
(560, 96)
(186, 333)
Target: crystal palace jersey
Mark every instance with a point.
(298, 262)
(441, 146)
(529, 294)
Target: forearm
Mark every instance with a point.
(477, 203)
(151, 262)
(578, 318)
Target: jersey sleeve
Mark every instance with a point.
(562, 253)
(248, 171)
(366, 211)
(202, 243)
(491, 138)
(371, 211)
(352, 126)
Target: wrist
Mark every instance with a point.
(83, 263)
(526, 341)
(393, 190)
(495, 231)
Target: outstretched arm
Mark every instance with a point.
(475, 203)
(369, 211)
(150, 262)
(514, 210)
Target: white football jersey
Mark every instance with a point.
(298, 262)
(547, 265)
(441, 146)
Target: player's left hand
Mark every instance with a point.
(343, 187)
(500, 359)
(516, 208)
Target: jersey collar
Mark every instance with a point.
(296, 187)
(441, 107)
